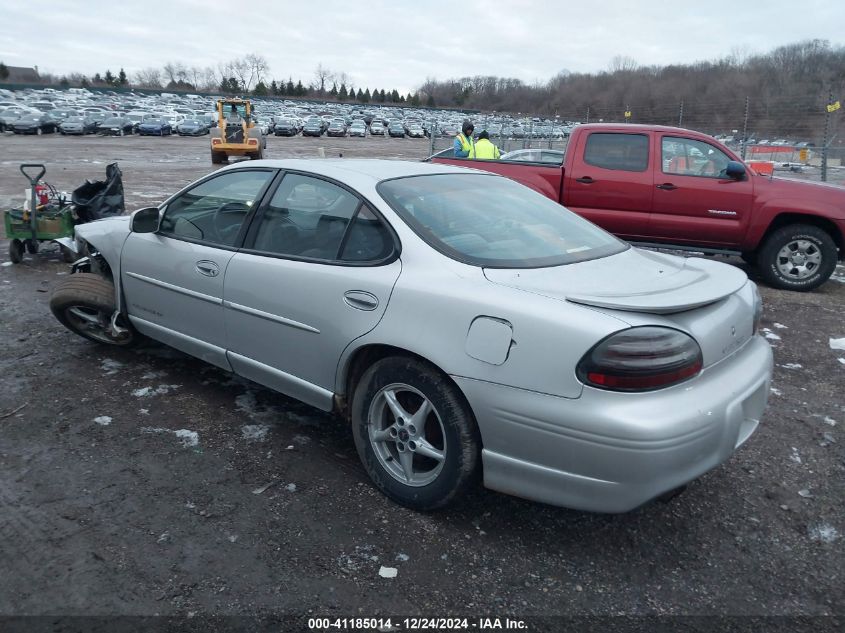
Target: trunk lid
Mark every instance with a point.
(634, 280)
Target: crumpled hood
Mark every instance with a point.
(634, 280)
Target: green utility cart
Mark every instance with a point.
(27, 229)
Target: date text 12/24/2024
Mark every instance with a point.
(416, 624)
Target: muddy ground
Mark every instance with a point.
(146, 482)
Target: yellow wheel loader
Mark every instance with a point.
(236, 133)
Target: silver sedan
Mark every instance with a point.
(465, 326)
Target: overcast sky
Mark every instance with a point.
(399, 43)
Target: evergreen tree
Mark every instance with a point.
(382, 97)
(290, 89)
(109, 78)
(415, 100)
(430, 102)
(64, 83)
(121, 78)
(4, 72)
(85, 83)
(342, 94)
(394, 96)
(260, 89)
(97, 79)
(300, 89)
(351, 92)
(360, 95)
(367, 96)
(274, 88)
(333, 91)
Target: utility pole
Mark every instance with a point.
(681, 114)
(827, 112)
(745, 129)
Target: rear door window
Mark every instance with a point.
(616, 151)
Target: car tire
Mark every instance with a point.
(16, 251)
(395, 450)
(31, 246)
(797, 257)
(84, 303)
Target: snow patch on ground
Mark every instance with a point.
(792, 366)
(255, 432)
(781, 326)
(837, 343)
(6, 264)
(111, 367)
(103, 420)
(188, 438)
(795, 457)
(824, 533)
(770, 335)
(777, 392)
(161, 390)
(153, 375)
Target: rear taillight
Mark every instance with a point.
(641, 359)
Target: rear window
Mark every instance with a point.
(492, 221)
(621, 152)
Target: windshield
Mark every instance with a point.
(492, 221)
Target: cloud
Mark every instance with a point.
(387, 44)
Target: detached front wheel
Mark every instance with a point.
(415, 433)
(84, 304)
(797, 257)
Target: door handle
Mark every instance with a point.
(586, 180)
(360, 300)
(667, 186)
(207, 268)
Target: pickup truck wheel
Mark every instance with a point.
(797, 257)
(415, 433)
(84, 304)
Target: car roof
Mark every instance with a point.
(356, 170)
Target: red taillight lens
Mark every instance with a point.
(641, 359)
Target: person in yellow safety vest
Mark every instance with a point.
(464, 146)
(484, 149)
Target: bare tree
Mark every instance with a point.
(209, 79)
(258, 67)
(240, 71)
(622, 63)
(148, 78)
(321, 75)
(195, 76)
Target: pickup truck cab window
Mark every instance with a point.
(689, 157)
(617, 151)
(213, 211)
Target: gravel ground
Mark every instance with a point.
(146, 482)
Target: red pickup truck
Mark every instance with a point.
(675, 188)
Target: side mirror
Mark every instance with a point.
(735, 170)
(145, 220)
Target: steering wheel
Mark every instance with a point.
(707, 169)
(225, 229)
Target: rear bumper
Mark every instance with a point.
(612, 452)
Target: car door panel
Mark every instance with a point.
(167, 297)
(288, 322)
(611, 182)
(173, 279)
(691, 202)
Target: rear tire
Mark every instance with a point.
(16, 251)
(431, 459)
(84, 304)
(31, 246)
(797, 257)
